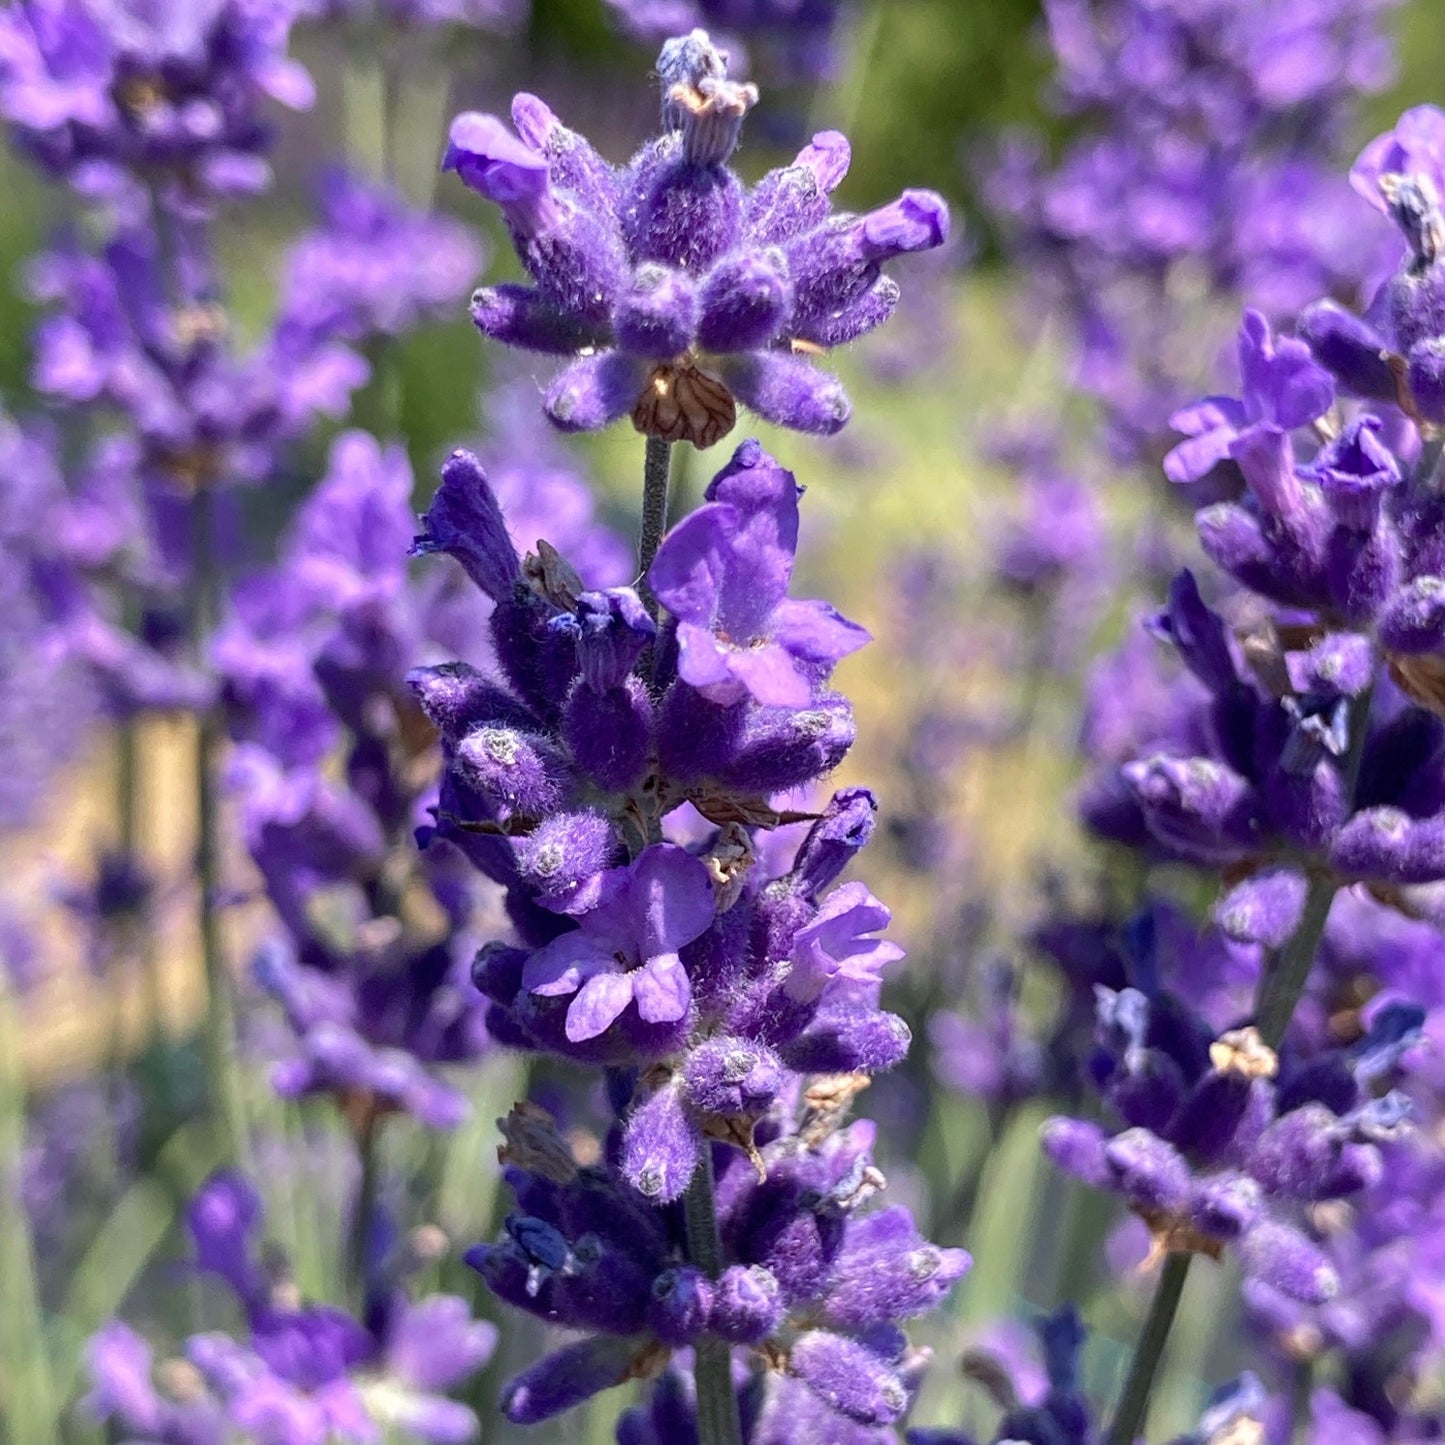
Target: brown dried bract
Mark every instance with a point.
(532, 1142)
(756, 812)
(683, 403)
(1172, 1234)
(829, 1097)
(737, 1130)
(552, 575)
(1421, 678)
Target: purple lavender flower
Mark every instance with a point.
(626, 948)
(102, 94)
(676, 291)
(299, 1372)
(495, 15)
(374, 267)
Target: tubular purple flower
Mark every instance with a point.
(493, 162)
(625, 949)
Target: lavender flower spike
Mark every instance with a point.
(677, 292)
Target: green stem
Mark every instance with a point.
(655, 471)
(1134, 1402)
(1283, 985)
(717, 1408)
(222, 1067)
(367, 1136)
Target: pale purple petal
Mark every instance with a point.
(702, 662)
(770, 675)
(562, 966)
(662, 989)
(599, 1002)
(671, 898)
(815, 632)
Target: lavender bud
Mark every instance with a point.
(661, 1145)
(1349, 348)
(563, 859)
(1283, 1258)
(746, 302)
(658, 317)
(680, 1305)
(520, 774)
(465, 522)
(568, 1377)
(747, 1305)
(848, 1377)
(732, 1076)
(1414, 618)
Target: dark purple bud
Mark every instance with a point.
(887, 1272)
(1233, 539)
(1151, 1173)
(1283, 1258)
(568, 1377)
(519, 315)
(1414, 618)
(849, 1040)
(788, 391)
(457, 698)
(684, 215)
(1349, 348)
(848, 1378)
(1295, 1155)
(520, 774)
(1427, 379)
(497, 971)
(1210, 1118)
(595, 391)
(564, 857)
(1225, 1205)
(681, 1304)
(1354, 471)
(864, 312)
(746, 302)
(1265, 908)
(781, 748)
(833, 841)
(611, 630)
(1198, 634)
(793, 200)
(747, 1305)
(605, 1288)
(492, 161)
(658, 317)
(1077, 1147)
(465, 522)
(732, 1076)
(661, 1145)
(609, 734)
(1198, 805)
(1389, 846)
(224, 1218)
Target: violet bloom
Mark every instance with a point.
(374, 266)
(625, 950)
(677, 292)
(1283, 389)
(103, 94)
(723, 574)
(298, 1374)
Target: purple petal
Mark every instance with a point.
(562, 966)
(813, 631)
(662, 989)
(671, 899)
(599, 1002)
(770, 675)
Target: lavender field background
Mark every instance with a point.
(1150, 724)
